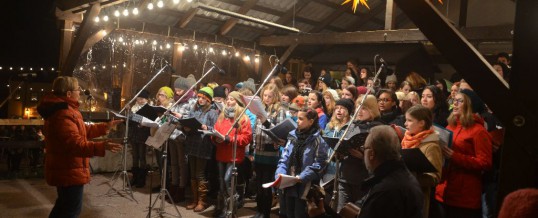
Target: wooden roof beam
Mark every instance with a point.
(329, 19)
(287, 17)
(230, 23)
(492, 34)
(85, 31)
(365, 18)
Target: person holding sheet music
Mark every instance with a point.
(266, 153)
(460, 188)
(419, 134)
(165, 98)
(199, 147)
(176, 147)
(138, 135)
(336, 127)
(352, 169)
(227, 117)
(304, 156)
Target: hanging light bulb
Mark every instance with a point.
(256, 59)
(189, 0)
(135, 11)
(11, 68)
(181, 48)
(104, 67)
(137, 42)
(80, 68)
(120, 39)
(93, 67)
(224, 53)
(0, 68)
(30, 69)
(195, 47)
(40, 69)
(160, 4)
(22, 68)
(247, 58)
(125, 12)
(150, 6)
(211, 50)
(154, 42)
(96, 19)
(236, 54)
(176, 1)
(117, 13)
(168, 46)
(105, 18)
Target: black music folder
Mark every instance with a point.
(354, 141)
(192, 123)
(281, 130)
(416, 161)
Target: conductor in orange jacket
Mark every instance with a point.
(68, 149)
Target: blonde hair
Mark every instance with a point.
(466, 115)
(370, 104)
(63, 84)
(416, 81)
(329, 106)
(339, 123)
(275, 105)
(237, 110)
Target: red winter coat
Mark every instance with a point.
(461, 183)
(66, 142)
(244, 137)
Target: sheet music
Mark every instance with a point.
(282, 182)
(117, 114)
(149, 123)
(162, 134)
(256, 107)
(213, 133)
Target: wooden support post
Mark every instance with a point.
(390, 15)
(287, 53)
(84, 33)
(66, 38)
(187, 18)
(463, 13)
(519, 162)
(177, 57)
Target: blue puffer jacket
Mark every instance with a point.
(314, 159)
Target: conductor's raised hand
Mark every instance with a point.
(113, 147)
(113, 123)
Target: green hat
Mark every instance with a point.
(207, 91)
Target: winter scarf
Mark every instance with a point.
(412, 141)
(296, 155)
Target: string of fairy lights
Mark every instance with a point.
(131, 8)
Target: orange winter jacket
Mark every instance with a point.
(66, 142)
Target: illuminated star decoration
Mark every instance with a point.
(356, 3)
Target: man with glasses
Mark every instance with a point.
(392, 190)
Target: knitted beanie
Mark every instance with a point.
(326, 79)
(184, 83)
(348, 104)
(237, 96)
(144, 94)
(249, 84)
(349, 79)
(476, 103)
(334, 94)
(167, 91)
(361, 90)
(391, 78)
(220, 91)
(207, 92)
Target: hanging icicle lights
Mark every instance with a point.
(131, 8)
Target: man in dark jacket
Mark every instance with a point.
(393, 190)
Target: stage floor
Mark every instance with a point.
(34, 198)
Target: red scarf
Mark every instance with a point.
(412, 141)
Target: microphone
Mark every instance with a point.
(87, 92)
(221, 71)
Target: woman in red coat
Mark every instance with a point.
(68, 150)
(461, 184)
(227, 117)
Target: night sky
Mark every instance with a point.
(30, 36)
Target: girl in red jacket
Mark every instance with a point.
(461, 183)
(227, 117)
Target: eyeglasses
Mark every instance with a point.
(458, 100)
(385, 100)
(78, 89)
(364, 148)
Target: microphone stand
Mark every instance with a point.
(164, 192)
(334, 199)
(230, 208)
(127, 188)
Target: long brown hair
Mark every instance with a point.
(466, 114)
